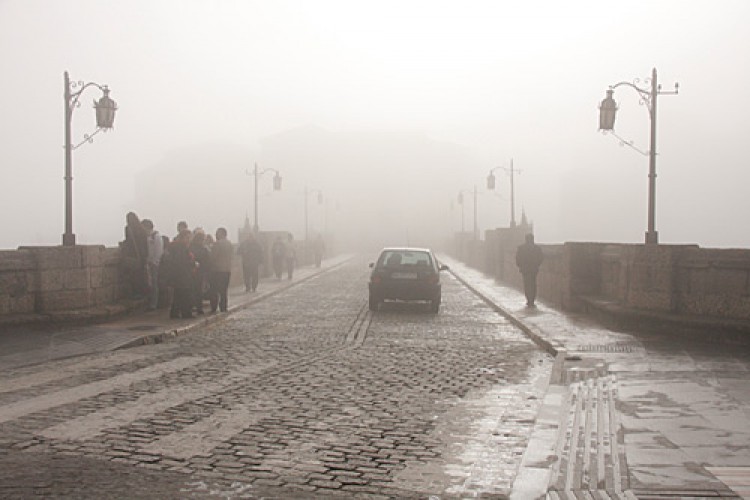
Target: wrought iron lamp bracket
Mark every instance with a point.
(75, 102)
(644, 94)
(625, 142)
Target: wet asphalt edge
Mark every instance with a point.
(532, 479)
(537, 336)
(209, 319)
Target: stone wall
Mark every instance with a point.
(681, 279)
(39, 280)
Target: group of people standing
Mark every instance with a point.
(192, 266)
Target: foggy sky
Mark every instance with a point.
(389, 108)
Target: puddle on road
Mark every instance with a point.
(483, 436)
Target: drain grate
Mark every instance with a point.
(142, 328)
(605, 348)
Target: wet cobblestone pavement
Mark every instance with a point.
(631, 414)
(304, 394)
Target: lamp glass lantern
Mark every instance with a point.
(105, 111)
(491, 181)
(607, 111)
(277, 182)
(460, 198)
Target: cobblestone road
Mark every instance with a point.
(305, 394)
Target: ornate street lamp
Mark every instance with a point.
(607, 112)
(461, 202)
(320, 202)
(276, 187)
(491, 186)
(105, 117)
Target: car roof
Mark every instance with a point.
(405, 249)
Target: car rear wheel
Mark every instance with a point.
(374, 303)
(435, 305)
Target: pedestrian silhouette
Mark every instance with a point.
(528, 259)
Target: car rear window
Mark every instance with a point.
(404, 258)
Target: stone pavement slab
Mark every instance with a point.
(27, 345)
(680, 409)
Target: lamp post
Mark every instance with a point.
(105, 117)
(320, 201)
(491, 186)
(607, 111)
(276, 187)
(461, 202)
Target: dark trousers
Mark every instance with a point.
(289, 268)
(182, 303)
(250, 273)
(198, 292)
(219, 288)
(529, 287)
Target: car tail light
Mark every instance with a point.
(376, 279)
(432, 279)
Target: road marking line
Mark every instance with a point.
(74, 368)
(93, 424)
(203, 436)
(66, 396)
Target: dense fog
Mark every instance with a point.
(376, 114)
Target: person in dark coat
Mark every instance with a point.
(528, 259)
(181, 269)
(319, 248)
(278, 252)
(134, 251)
(290, 256)
(252, 256)
(202, 267)
(221, 270)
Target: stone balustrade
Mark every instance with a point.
(40, 280)
(677, 279)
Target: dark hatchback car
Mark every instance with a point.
(406, 274)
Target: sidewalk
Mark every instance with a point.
(629, 415)
(28, 345)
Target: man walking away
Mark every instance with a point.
(278, 250)
(290, 257)
(319, 248)
(252, 256)
(155, 252)
(221, 268)
(528, 259)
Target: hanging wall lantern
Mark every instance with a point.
(491, 181)
(607, 110)
(105, 111)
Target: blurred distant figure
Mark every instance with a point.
(278, 252)
(202, 268)
(290, 256)
(181, 226)
(528, 259)
(319, 248)
(155, 244)
(251, 253)
(134, 252)
(221, 269)
(181, 268)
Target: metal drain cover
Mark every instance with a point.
(142, 328)
(606, 348)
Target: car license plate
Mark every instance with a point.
(404, 276)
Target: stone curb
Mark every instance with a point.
(551, 347)
(158, 338)
(541, 452)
